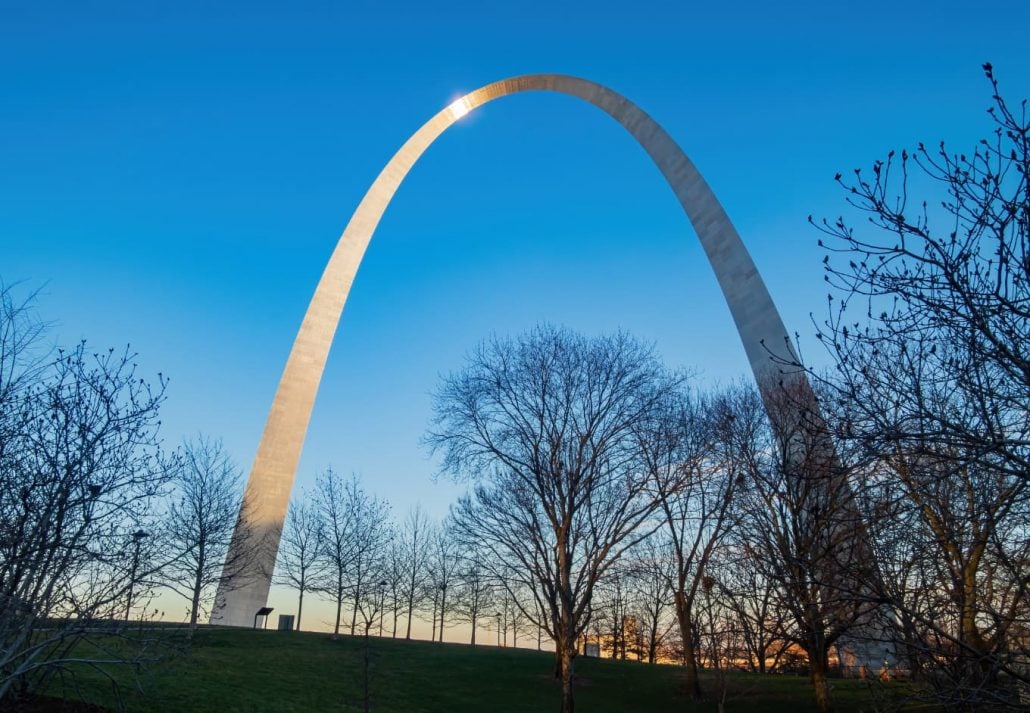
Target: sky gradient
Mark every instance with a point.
(176, 176)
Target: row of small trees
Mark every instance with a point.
(343, 545)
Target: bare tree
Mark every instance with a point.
(79, 471)
(372, 608)
(338, 552)
(394, 574)
(371, 534)
(909, 290)
(300, 550)
(929, 327)
(800, 518)
(444, 561)
(695, 477)
(475, 594)
(200, 523)
(548, 426)
(511, 600)
(755, 603)
(23, 357)
(414, 549)
(719, 645)
(953, 547)
(650, 569)
(356, 536)
(610, 608)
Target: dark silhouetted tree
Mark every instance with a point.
(301, 561)
(548, 427)
(414, 551)
(80, 469)
(205, 507)
(929, 329)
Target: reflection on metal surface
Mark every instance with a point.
(459, 108)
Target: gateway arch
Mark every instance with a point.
(271, 479)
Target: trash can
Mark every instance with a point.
(286, 622)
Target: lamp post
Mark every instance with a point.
(137, 538)
(382, 605)
(443, 603)
(432, 635)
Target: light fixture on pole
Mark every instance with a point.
(137, 538)
(382, 605)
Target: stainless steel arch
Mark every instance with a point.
(271, 478)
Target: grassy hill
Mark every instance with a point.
(225, 671)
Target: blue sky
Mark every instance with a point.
(176, 176)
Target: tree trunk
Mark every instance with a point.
(198, 587)
(432, 636)
(339, 611)
(443, 609)
(411, 609)
(690, 662)
(300, 608)
(974, 649)
(818, 666)
(198, 584)
(568, 703)
(473, 629)
(357, 598)
(689, 655)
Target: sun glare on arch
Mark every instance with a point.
(460, 107)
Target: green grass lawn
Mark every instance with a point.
(225, 670)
